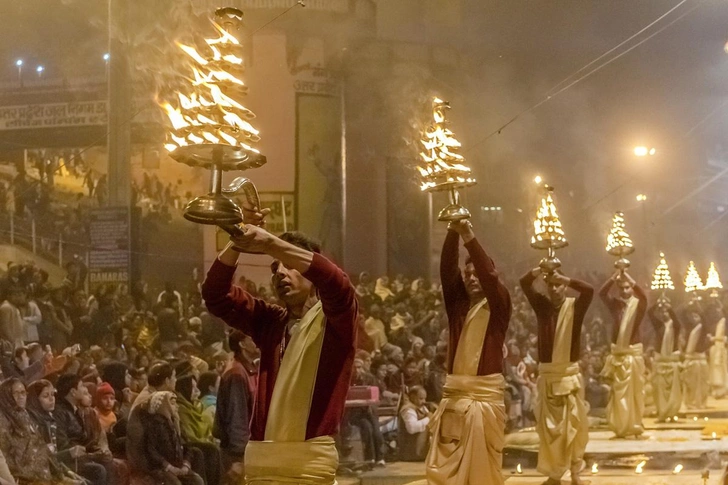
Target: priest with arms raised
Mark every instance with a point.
(307, 350)
(561, 412)
(468, 426)
(625, 365)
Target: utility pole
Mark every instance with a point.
(119, 106)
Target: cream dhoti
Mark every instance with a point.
(285, 457)
(695, 377)
(467, 428)
(696, 373)
(561, 419)
(467, 432)
(718, 361)
(625, 367)
(666, 385)
(561, 413)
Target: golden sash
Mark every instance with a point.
(291, 401)
(626, 326)
(311, 462)
(562, 339)
(467, 432)
(470, 344)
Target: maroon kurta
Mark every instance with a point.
(616, 307)
(548, 316)
(265, 323)
(457, 302)
(659, 328)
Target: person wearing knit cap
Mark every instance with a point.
(105, 401)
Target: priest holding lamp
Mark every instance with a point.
(666, 383)
(561, 412)
(625, 366)
(468, 426)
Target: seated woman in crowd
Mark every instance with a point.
(29, 458)
(164, 459)
(196, 429)
(209, 385)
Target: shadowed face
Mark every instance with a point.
(556, 290)
(625, 290)
(472, 283)
(290, 285)
(419, 398)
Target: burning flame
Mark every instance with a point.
(678, 469)
(595, 468)
(692, 279)
(661, 279)
(714, 435)
(209, 113)
(547, 225)
(519, 470)
(640, 466)
(442, 164)
(712, 282)
(618, 237)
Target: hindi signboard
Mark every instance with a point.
(55, 115)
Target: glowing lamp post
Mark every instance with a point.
(619, 243)
(661, 279)
(442, 168)
(712, 282)
(693, 282)
(547, 232)
(211, 128)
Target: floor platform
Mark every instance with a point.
(687, 443)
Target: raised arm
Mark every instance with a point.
(453, 287)
(337, 294)
(235, 306)
(606, 289)
(535, 298)
(585, 290)
(495, 291)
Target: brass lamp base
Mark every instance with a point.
(453, 212)
(549, 264)
(622, 264)
(213, 209)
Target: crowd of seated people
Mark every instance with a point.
(129, 386)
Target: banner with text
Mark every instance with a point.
(109, 257)
(56, 115)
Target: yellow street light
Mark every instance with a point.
(641, 197)
(642, 151)
(538, 179)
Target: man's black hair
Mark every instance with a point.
(65, 383)
(159, 372)
(302, 241)
(236, 338)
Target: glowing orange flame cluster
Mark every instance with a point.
(661, 279)
(209, 113)
(547, 230)
(618, 240)
(443, 166)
